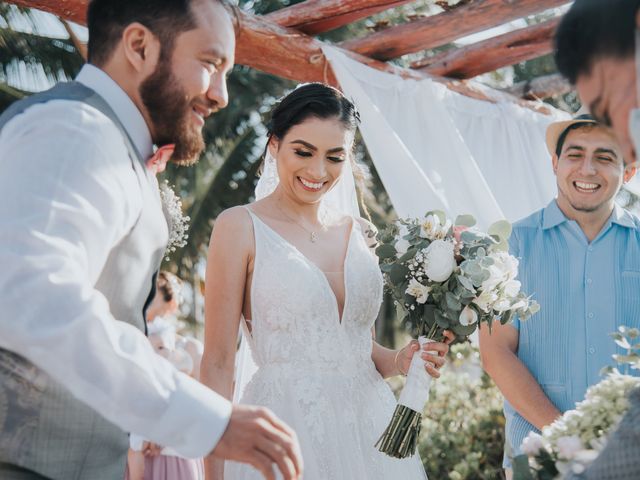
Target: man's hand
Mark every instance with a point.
(257, 437)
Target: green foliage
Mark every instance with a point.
(462, 434)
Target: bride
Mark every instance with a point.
(297, 269)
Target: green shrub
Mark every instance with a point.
(462, 433)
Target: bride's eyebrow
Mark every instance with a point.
(305, 144)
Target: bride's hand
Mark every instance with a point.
(433, 354)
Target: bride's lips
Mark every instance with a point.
(310, 186)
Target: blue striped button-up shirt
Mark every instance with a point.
(585, 291)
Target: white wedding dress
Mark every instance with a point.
(315, 371)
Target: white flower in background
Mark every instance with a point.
(430, 227)
(416, 289)
(468, 316)
(439, 260)
(569, 446)
(532, 444)
(402, 245)
(486, 300)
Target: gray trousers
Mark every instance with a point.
(13, 472)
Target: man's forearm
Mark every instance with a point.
(519, 387)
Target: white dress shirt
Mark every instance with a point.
(68, 195)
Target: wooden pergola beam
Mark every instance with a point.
(443, 28)
(541, 87)
(288, 53)
(489, 55)
(74, 10)
(318, 16)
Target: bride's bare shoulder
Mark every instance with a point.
(233, 223)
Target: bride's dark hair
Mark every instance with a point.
(316, 100)
(312, 100)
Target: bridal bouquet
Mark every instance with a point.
(444, 276)
(575, 439)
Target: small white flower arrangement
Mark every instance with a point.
(575, 439)
(178, 222)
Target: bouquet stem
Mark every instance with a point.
(400, 438)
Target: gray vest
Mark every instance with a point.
(43, 428)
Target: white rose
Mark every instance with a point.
(416, 289)
(507, 264)
(532, 444)
(468, 316)
(430, 226)
(439, 260)
(568, 447)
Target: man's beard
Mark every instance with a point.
(170, 109)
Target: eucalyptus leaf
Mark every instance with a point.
(452, 302)
(464, 331)
(465, 221)
(386, 251)
(408, 256)
(501, 229)
(398, 273)
(440, 214)
(441, 320)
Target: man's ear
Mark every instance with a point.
(141, 48)
(554, 163)
(629, 172)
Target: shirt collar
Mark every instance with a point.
(622, 217)
(553, 216)
(131, 118)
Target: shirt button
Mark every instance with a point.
(589, 281)
(592, 350)
(590, 249)
(590, 314)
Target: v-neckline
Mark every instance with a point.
(317, 268)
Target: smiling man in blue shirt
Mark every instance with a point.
(580, 258)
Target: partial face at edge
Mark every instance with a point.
(609, 92)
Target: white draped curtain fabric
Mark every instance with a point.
(437, 149)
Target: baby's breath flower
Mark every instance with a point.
(178, 223)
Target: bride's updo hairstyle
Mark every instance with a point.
(312, 100)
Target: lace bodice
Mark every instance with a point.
(294, 310)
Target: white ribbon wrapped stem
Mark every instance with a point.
(415, 393)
